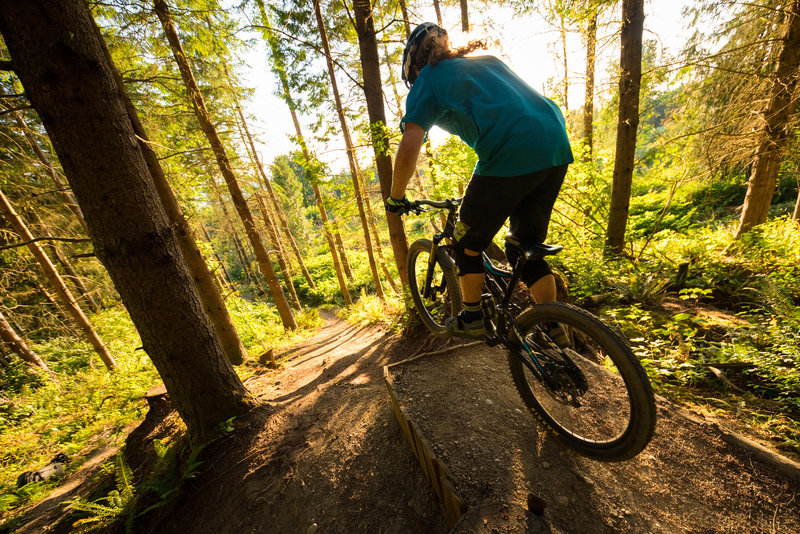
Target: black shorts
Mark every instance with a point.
(526, 200)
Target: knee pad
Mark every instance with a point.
(467, 264)
(534, 270)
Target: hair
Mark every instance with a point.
(436, 47)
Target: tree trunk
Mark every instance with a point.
(15, 343)
(68, 302)
(775, 130)
(54, 43)
(278, 211)
(280, 69)
(337, 236)
(350, 152)
(209, 294)
(406, 23)
(464, 16)
(269, 217)
(375, 235)
(562, 27)
(438, 12)
(71, 273)
(588, 100)
(373, 91)
(630, 66)
(275, 238)
(398, 101)
(279, 298)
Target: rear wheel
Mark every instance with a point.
(443, 298)
(598, 400)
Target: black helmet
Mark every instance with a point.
(414, 41)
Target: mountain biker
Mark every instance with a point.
(523, 154)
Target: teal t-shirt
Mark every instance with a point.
(513, 129)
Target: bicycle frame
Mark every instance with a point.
(501, 295)
(505, 316)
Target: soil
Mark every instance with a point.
(324, 454)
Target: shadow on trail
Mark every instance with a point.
(331, 342)
(327, 452)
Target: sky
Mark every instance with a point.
(527, 45)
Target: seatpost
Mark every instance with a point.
(515, 275)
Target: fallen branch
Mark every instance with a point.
(435, 352)
(724, 379)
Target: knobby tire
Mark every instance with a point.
(616, 418)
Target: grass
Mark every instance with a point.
(89, 407)
(371, 310)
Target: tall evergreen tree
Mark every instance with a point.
(781, 105)
(56, 43)
(630, 75)
(278, 296)
(373, 91)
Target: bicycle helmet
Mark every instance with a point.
(414, 41)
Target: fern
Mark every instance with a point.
(105, 509)
(124, 478)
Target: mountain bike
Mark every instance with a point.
(593, 395)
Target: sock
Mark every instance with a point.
(472, 311)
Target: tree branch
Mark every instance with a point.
(46, 238)
(313, 47)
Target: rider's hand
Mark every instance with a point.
(400, 207)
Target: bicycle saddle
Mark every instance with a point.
(533, 250)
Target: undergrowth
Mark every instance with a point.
(88, 407)
(690, 302)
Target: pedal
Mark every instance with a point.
(492, 340)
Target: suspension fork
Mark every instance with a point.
(426, 288)
(447, 232)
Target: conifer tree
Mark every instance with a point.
(630, 74)
(198, 103)
(350, 151)
(65, 298)
(56, 43)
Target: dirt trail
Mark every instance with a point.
(328, 452)
(688, 479)
(325, 450)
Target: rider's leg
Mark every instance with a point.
(529, 223)
(470, 270)
(544, 289)
(471, 283)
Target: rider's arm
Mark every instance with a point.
(405, 161)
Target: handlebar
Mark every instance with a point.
(418, 206)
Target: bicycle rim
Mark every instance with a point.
(603, 406)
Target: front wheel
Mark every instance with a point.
(439, 297)
(597, 398)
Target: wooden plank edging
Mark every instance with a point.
(435, 470)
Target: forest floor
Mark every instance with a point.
(324, 454)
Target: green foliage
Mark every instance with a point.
(86, 405)
(371, 310)
(451, 167)
(260, 327)
(100, 512)
(12, 497)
